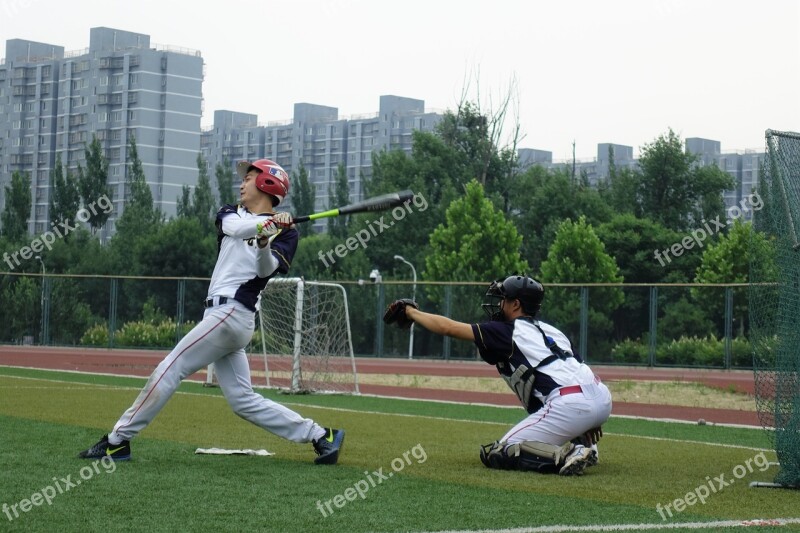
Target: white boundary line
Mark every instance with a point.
(756, 522)
(451, 402)
(380, 413)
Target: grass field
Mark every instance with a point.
(405, 466)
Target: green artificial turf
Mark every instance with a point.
(437, 481)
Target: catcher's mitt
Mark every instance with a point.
(396, 313)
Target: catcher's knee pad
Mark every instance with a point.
(540, 456)
(526, 456)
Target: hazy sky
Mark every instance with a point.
(614, 71)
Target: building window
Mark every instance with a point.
(104, 81)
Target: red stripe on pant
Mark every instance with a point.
(170, 366)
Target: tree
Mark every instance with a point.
(224, 175)
(621, 191)
(139, 220)
(541, 199)
(199, 205)
(476, 243)
(17, 210)
(93, 183)
(203, 205)
(633, 243)
(66, 199)
(180, 247)
(184, 202)
(728, 261)
(139, 215)
(339, 196)
(578, 256)
(674, 190)
(477, 131)
(304, 192)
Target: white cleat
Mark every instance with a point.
(576, 462)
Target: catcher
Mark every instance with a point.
(566, 403)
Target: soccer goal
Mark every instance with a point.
(305, 337)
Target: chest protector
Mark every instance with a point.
(522, 380)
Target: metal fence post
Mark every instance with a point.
(112, 311)
(728, 326)
(651, 349)
(448, 304)
(379, 321)
(180, 311)
(46, 289)
(584, 327)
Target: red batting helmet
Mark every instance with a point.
(272, 179)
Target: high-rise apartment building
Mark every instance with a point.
(742, 166)
(120, 87)
(320, 140)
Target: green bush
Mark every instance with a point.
(96, 335)
(629, 352)
(138, 334)
(686, 351)
(691, 351)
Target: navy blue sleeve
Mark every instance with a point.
(226, 209)
(493, 340)
(283, 248)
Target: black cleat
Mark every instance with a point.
(328, 446)
(118, 452)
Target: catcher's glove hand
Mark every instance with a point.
(396, 313)
(592, 436)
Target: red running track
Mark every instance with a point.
(142, 363)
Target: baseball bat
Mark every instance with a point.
(378, 203)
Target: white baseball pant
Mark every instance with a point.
(220, 338)
(564, 417)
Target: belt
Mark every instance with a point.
(572, 389)
(216, 300)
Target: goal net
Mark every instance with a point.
(775, 303)
(304, 330)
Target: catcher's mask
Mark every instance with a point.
(528, 291)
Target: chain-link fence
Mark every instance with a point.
(630, 324)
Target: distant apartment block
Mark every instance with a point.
(320, 139)
(121, 86)
(743, 166)
(593, 170)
